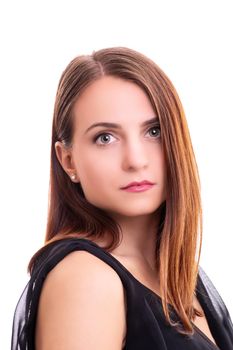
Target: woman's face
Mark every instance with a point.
(107, 158)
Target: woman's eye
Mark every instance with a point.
(155, 131)
(104, 138)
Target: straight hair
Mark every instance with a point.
(179, 236)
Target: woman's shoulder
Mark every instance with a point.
(82, 290)
(75, 262)
(74, 258)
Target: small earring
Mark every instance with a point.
(73, 176)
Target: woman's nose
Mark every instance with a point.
(134, 155)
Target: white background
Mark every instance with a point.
(190, 40)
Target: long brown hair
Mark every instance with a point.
(180, 228)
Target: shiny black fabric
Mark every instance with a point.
(146, 325)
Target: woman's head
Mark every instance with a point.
(120, 85)
(105, 158)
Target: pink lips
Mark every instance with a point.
(138, 186)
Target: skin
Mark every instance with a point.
(132, 153)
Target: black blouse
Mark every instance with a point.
(147, 328)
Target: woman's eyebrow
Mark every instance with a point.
(118, 126)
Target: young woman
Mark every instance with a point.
(120, 265)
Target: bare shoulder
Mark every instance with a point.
(82, 306)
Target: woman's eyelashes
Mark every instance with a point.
(105, 136)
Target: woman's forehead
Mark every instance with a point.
(112, 100)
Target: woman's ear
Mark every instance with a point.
(64, 156)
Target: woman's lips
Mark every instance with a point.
(136, 186)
